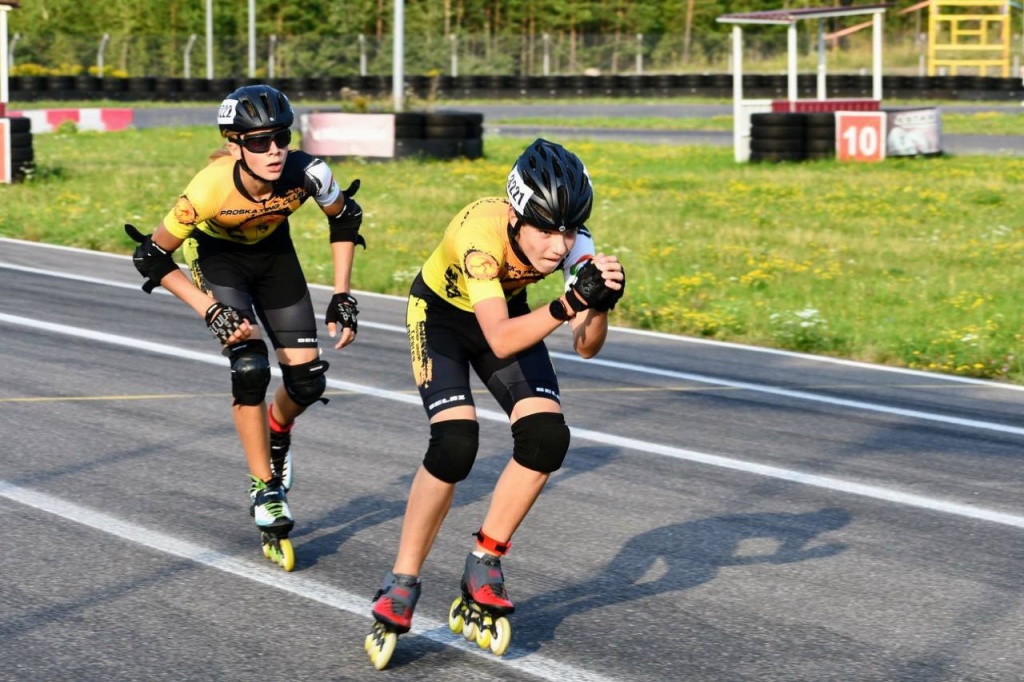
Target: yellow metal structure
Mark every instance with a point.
(969, 34)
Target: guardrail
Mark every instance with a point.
(31, 88)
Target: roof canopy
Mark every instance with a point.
(789, 16)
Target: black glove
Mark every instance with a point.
(223, 320)
(150, 260)
(345, 225)
(590, 291)
(342, 310)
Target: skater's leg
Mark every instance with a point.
(431, 494)
(285, 409)
(303, 384)
(521, 483)
(429, 501)
(254, 434)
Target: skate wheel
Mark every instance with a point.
(266, 550)
(380, 654)
(455, 621)
(286, 557)
(502, 636)
(483, 638)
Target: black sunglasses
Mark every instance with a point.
(260, 144)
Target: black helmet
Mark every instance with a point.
(549, 187)
(254, 107)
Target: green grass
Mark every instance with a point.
(909, 262)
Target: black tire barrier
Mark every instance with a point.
(21, 150)
(777, 157)
(765, 132)
(439, 135)
(20, 124)
(84, 87)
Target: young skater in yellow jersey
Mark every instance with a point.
(467, 308)
(232, 220)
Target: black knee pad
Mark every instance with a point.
(250, 372)
(541, 441)
(305, 383)
(452, 450)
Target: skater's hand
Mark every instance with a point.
(227, 324)
(342, 315)
(598, 285)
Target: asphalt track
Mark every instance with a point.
(561, 117)
(725, 512)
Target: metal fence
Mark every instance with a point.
(180, 55)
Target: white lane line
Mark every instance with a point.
(434, 630)
(797, 395)
(717, 381)
(826, 482)
(677, 338)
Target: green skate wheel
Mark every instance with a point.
(455, 621)
(502, 636)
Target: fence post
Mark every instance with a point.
(188, 55)
(639, 53)
(271, 71)
(455, 55)
(99, 54)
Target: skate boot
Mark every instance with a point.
(268, 504)
(281, 451)
(480, 612)
(392, 608)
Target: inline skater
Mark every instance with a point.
(232, 225)
(467, 308)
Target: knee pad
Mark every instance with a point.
(305, 383)
(452, 450)
(541, 441)
(250, 372)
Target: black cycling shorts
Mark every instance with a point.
(446, 341)
(265, 278)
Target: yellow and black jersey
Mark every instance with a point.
(216, 203)
(476, 260)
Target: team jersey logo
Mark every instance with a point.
(184, 211)
(226, 115)
(481, 265)
(518, 192)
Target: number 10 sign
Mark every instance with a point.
(860, 135)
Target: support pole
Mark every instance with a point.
(792, 91)
(876, 57)
(737, 92)
(822, 90)
(209, 39)
(397, 74)
(4, 95)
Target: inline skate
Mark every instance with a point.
(479, 613)
(268, 504)
(281, 451)
(392, 609)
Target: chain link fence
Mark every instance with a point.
(179, 55)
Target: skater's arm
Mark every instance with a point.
(507, 336)
(344, 216)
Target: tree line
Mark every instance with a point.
(151, 34)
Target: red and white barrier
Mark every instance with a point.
(48, 120)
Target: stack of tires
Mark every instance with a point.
(22, 155)
(821, 135)
(776, 137)
(792, 137)
(444, 135)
